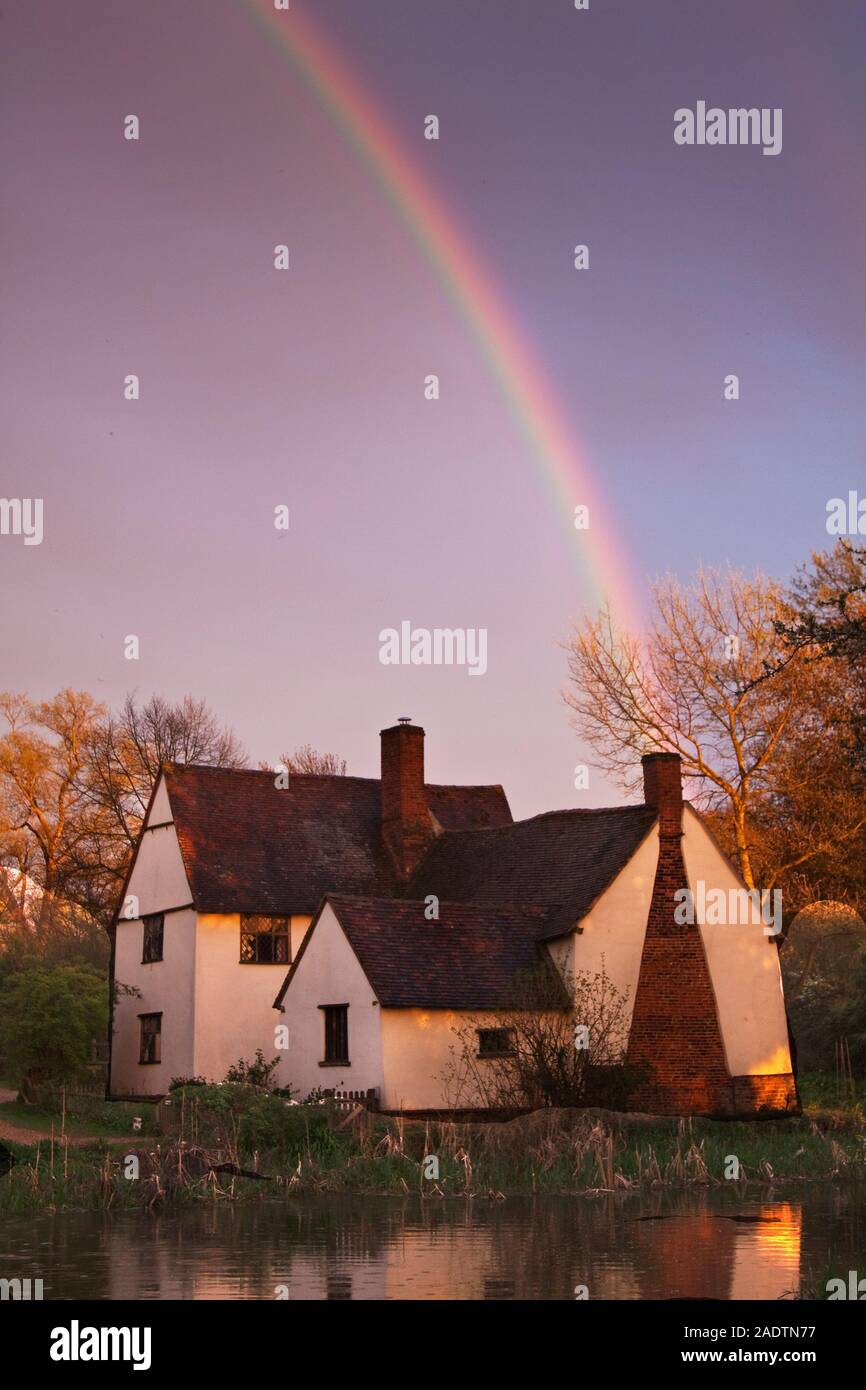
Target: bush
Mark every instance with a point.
(286, 1130)
(48, 1021)
(561, 1045)
(255, 1073)
(232, 1115)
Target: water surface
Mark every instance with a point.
(689, 1244)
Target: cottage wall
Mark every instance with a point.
(158, 883)
(744, 968)
(328, 973)
(613, 930)
(234, 1003)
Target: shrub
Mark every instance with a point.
(255, 1073)
(48, 1021)
(248, 1118)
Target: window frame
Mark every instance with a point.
(335, 1023)
(488, 1054)
(148, 921)
(156, 1035)
(272, 936)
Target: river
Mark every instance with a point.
(693, 1243)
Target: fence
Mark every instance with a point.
(350, 1100)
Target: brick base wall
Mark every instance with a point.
(753, 1094)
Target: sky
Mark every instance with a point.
(305, 388)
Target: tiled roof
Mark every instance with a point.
(248, 846)
(560, 861)
(470, 958)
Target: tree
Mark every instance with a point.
(820, 945)
(307, 759)
(758, 722)
(49, 1020)
(808, 822)
(824, 972)
(812, 819)
(50, 828)
(559, 1044)
(692, 687)
(128, 749)
(827, 621)
(75, 781)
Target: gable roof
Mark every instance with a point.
(248, 846)
(469, 958)
(560, 861)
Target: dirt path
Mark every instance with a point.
(22, 1134)
(19, 1135)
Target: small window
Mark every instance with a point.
(265, 940)
(336, 1033)
(495, 1042)
(151, 1039)
(153, 934)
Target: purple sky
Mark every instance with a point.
(305, 388)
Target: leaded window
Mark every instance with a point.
(264, 940)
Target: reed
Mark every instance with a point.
(548, 1152)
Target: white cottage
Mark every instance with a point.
(316, 899)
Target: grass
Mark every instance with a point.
(301, 1150)
(821, 1092)
(85, 1115)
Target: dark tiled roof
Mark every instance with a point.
(250, 847)
(468, 959)
(560, 861)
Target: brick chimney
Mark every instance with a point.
(407, 826)
(663, 790)
(675, 1030)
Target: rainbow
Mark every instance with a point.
(474, 295)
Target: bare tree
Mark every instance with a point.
(308, 759)
(692, 687)
(128, 749)
(552, 1044)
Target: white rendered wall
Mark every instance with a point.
(234, 1013)
(744, 968)
(166, 987)
(158, 883)
(329, 973)
(615, 927)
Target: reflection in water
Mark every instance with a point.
(691, 1244)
